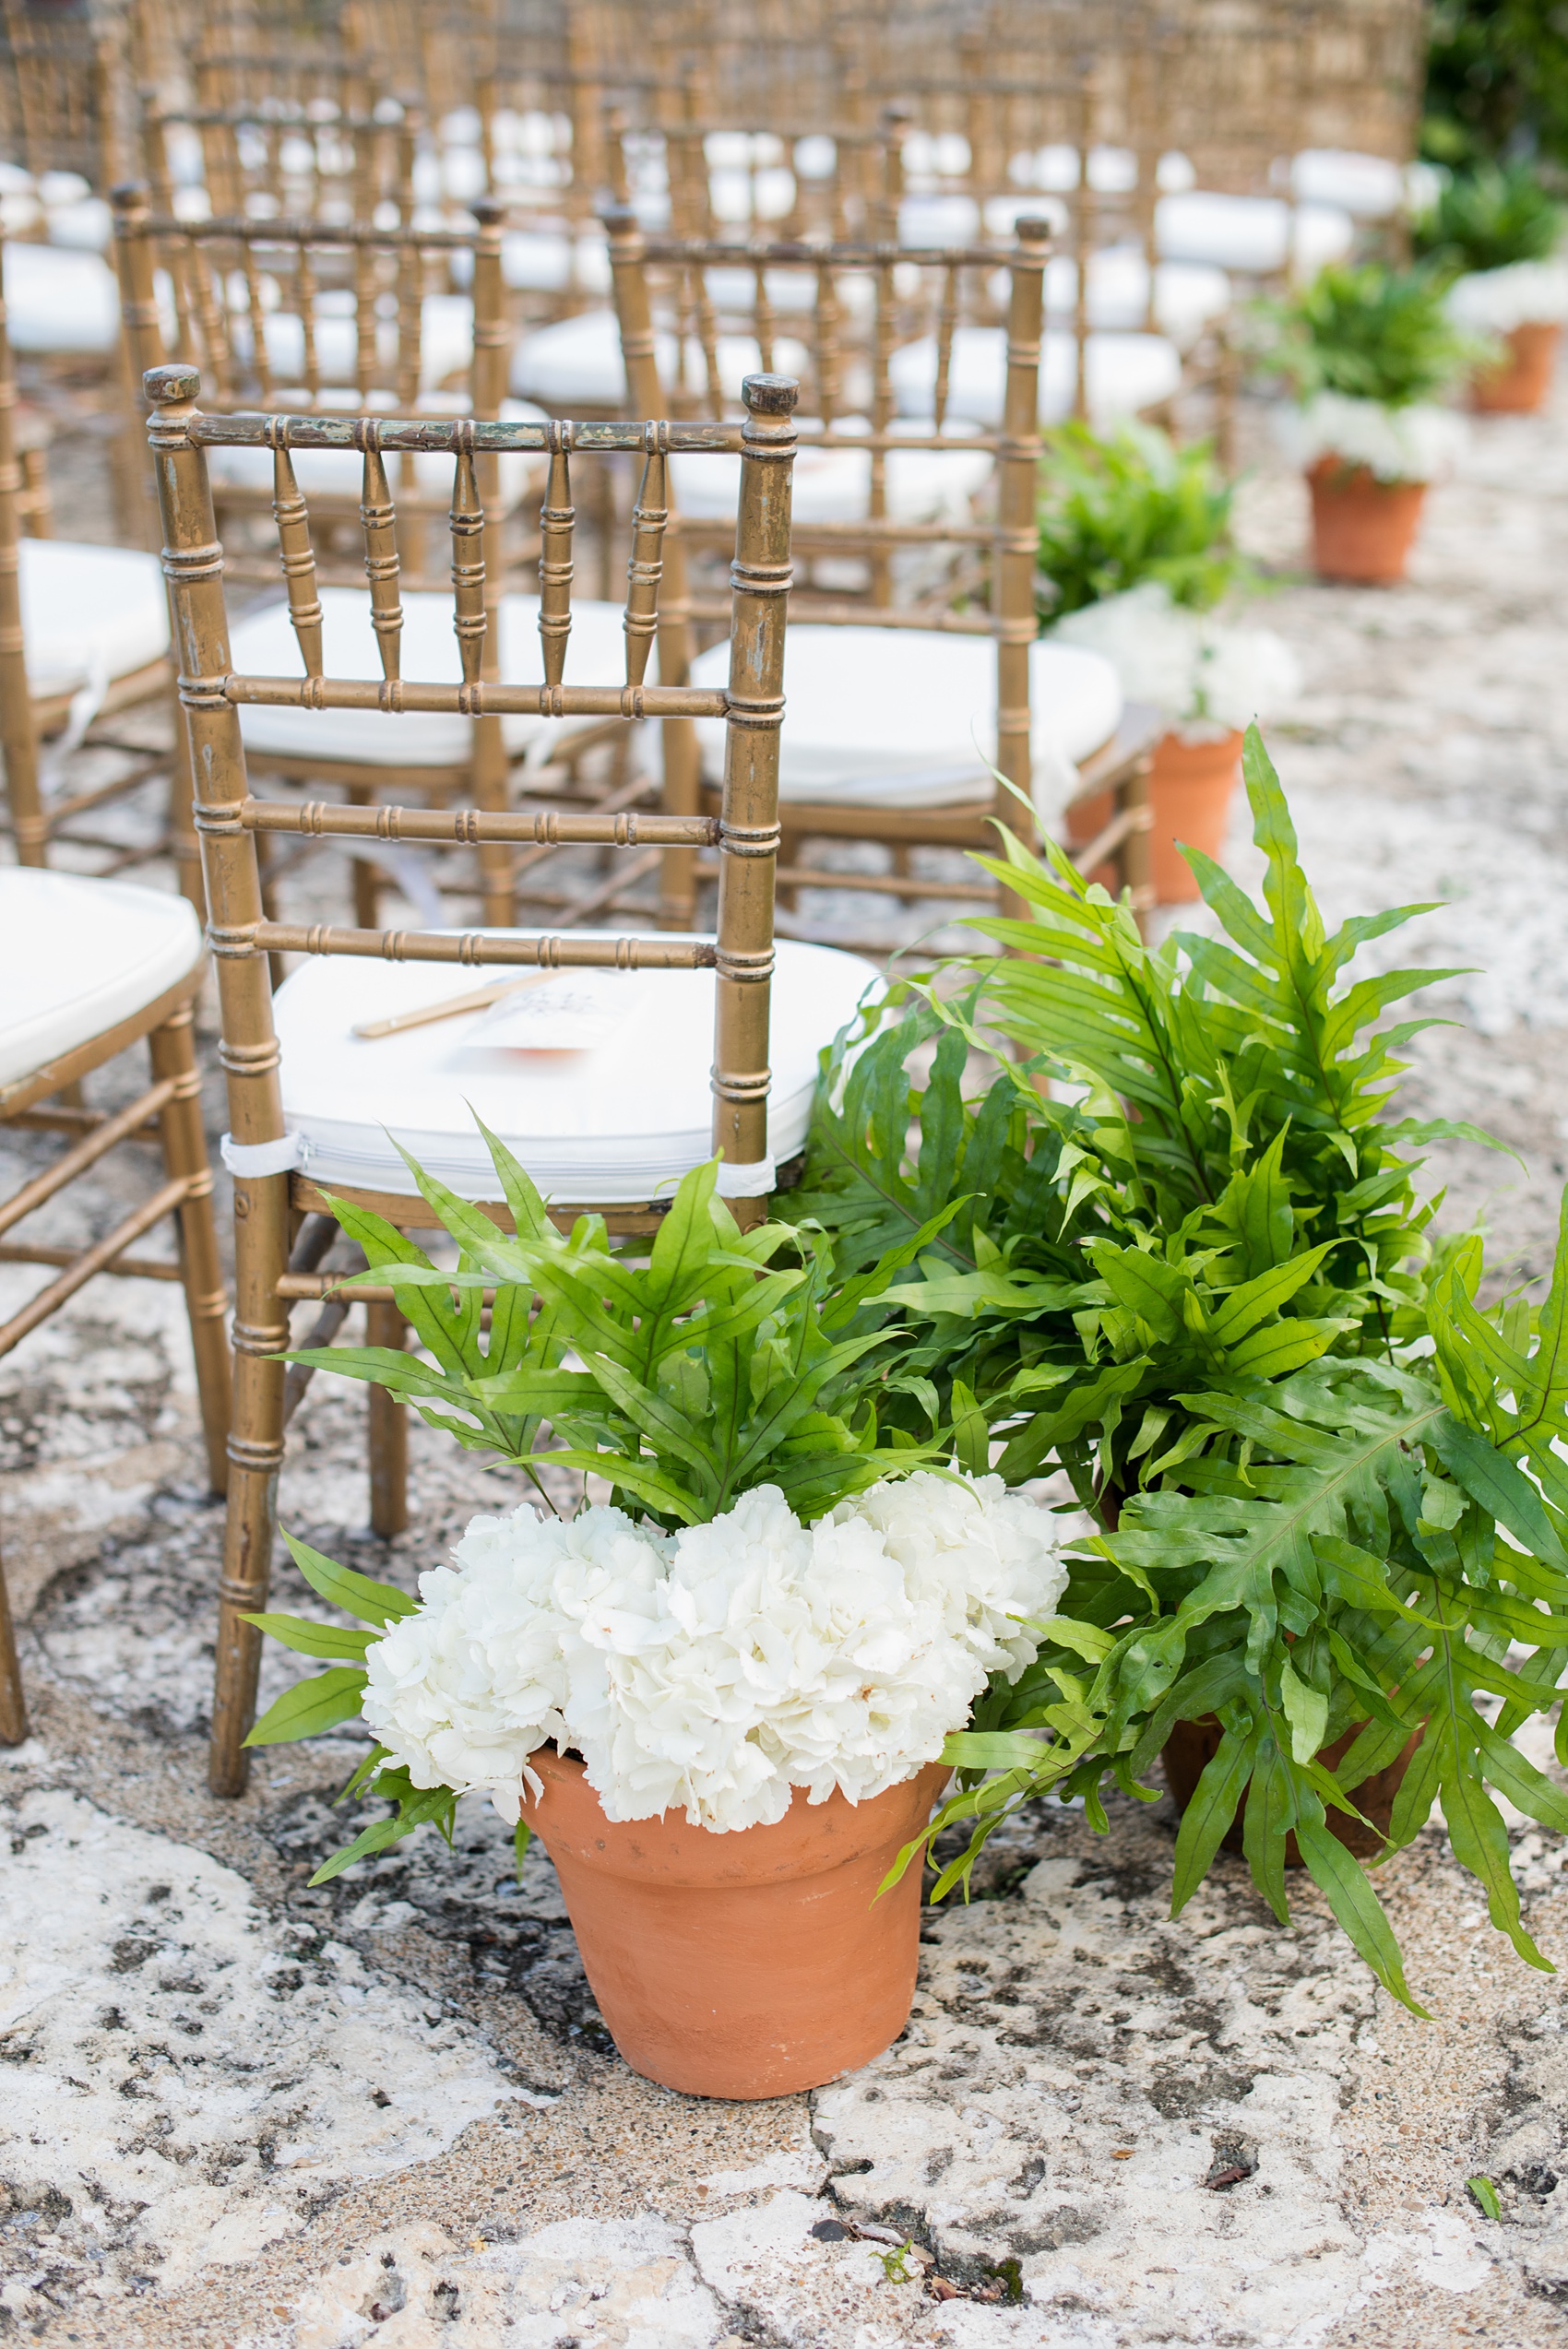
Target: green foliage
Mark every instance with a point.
(685, 1379)
(1488, 218)
(703, 1370)
(1371, 333)
(1497, 81)
(1324, 1481)
(1127, 505)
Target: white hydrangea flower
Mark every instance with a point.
(715, 1670)
(1207, 674)
(1414, 444)
(1527, 293)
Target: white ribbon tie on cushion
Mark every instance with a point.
(279, 1157)
(754, 1181)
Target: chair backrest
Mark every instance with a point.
(18, 732)
(745, 833)
(305, 312)
(993, 557)
(283, 160)
(65, 94)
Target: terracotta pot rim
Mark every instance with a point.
(1349, 477)
(663, 1847)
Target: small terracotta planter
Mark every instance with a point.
(1190, 787)
(1362, 528)
(1519, 387)
(748, 1965)
(1193, 1744)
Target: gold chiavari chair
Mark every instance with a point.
(84, 638)
(280, 160)
(311, 1093)
(257, 300)
(891, 688)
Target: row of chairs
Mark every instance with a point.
(888, 680)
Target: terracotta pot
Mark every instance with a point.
(1520, 385)
(1190, 787)
(748, 1965)
(1362, 528)
(1193, 1744)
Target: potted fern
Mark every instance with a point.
(1368, 351)
(720, 1696)
(1324, 1485)
(1136, 561)
(1495, 231)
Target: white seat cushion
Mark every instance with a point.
(339, 472)
(1369, 185)
(76, 956)
(1125, 372)
(447, 341)
(619, 1122)
(833, 484)
(1187, 294)
(938, 219)
(1255, 234)
(578, 363)
(906, 717)
(90, 614)
(264, 646)
(57, 300)
(85, 224)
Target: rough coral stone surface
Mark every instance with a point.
(235, 2111)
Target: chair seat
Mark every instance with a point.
(906, 717)
(263, 646)
(577, 363)
(60, 300)
(90, 614)
(339, 472)
(833, 484)
(446, 338)
(1369, 185)
(938, 219)
(1256, 234)
(1187, 294)
(78, 957)
(1125, 372)
(613, 1124)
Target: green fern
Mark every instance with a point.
(1324, 1482)
(1370, 333)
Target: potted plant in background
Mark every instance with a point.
(1135, 554)
(1325, 1487)
(1495, 232)
(720, 1697)
(1367, 352)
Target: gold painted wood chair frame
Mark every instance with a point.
(27, 718)
(995, 555)
(268, 1207)
(142, 240)
(307, 256)
(169, 1112)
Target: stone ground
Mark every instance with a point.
(235, 2111)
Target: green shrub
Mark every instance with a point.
(1370, 333)
(1127, 507)
(1491, 216)
(1191, 1265)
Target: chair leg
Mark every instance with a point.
(384, 1325)
(207, 1301)
(256, 1455)
(13, 1709)
(181, 819)
(682, 796)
